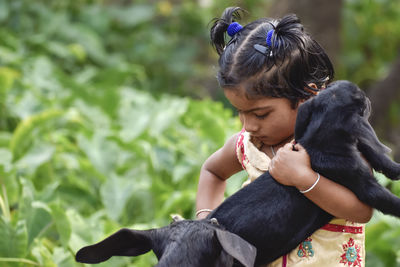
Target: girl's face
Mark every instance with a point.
(269, 120)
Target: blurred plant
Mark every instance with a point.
(83, 151)
(371, 39)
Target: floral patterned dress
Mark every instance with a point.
(339, 243)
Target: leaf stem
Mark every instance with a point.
(4, 204)
(19, 260)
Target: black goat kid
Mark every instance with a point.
(333, 127)
(183, 243)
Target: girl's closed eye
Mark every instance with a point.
(262, 115)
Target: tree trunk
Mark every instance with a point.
(321, 18)
(382, 94)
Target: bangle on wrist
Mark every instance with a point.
(311, 188)
(202, 210)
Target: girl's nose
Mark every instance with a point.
(249, 123)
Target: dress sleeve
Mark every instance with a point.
(240, 148)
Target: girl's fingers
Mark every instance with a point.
(271, 165)
(298, 147)
(287, 146)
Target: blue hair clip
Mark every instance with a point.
(262, 49)
(269, 37)
(234, 28)
(266, 50)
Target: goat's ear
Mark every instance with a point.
(303, 118)
(237, 247)
(125, 242)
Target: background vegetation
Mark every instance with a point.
(109, 108)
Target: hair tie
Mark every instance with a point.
(234, 28)
(269, 37)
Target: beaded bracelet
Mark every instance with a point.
(202, 210)
(309, 189)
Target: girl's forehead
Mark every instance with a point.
(241, 101)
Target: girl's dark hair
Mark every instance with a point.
(293, 61)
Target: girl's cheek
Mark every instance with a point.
(241, 117)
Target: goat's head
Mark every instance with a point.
(344, 96)
(182, 243)
(341, 106)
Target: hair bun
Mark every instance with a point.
(221, 26)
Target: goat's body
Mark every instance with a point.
(272, 217)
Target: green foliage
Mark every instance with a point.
(85, 149)
(371, 38)
(68, 182)
(382, 240)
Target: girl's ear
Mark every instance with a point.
(313, 85)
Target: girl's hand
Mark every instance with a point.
(292, 168)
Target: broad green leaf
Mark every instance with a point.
(78, 51)
(168, 113)
(179, 202)
(25, 105)
(7, 76)
(42, 77)
(133, 15)
(4, 10)
(180, 172)
(103, 153)
(85, 231)
(36, 156)
(24, 133)
(90, 41)
(94, 115)
(58, 49)
(14, 239)
(8, 55)
(62, 223)
(63, 258)
(36, 214)
(135, 113)
(42, 253)
(115, 192)
(5, 138)
(5, 160)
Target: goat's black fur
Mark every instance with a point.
(184, 243)
(333, 127)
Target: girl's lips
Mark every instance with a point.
(261, 138)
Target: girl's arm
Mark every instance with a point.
(293, 168)
(216, 169)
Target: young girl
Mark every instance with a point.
(267, 69)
